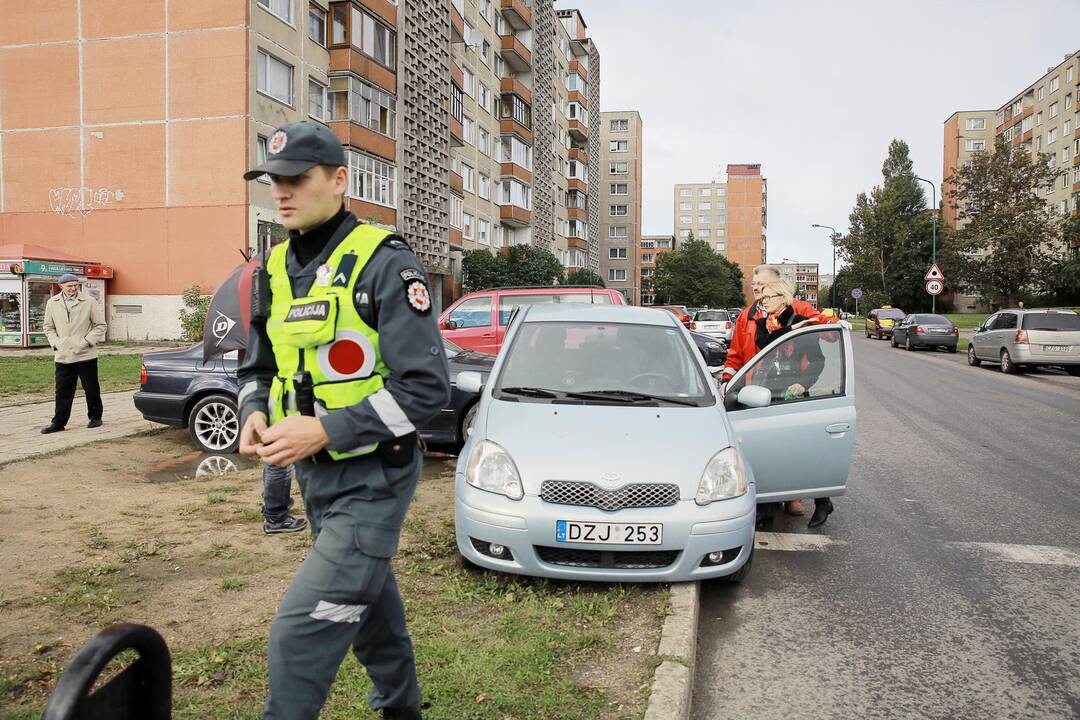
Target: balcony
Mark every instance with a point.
(578, 130)
(457, 21)
(576, 242)
(577, 67)
(457, 184)
(515, 86)
(579, 155)
(515, 216)
(514, 53)
(456, 240)
(515, 171)
(516, 14)
(352, 60)
(457, 133)
(358, 136)
(577, 214)
(575, 184)
(575, 96)
(509, 126)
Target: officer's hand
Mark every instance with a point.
(250, 436)
(292, 439)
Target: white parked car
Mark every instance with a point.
(602, 449)
(717, 324)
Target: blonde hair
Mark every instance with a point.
(781, 287)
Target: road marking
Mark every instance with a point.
(1027, 554)
(792, 541)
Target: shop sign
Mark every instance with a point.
(11, 339)
(13, 268)
(36, 267)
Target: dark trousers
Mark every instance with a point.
(67, 374)
(277, 488)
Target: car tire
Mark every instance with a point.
(880, 336)
(1007, 365)
(468, 565)
(1073, 370)
(951, 348)
(907, 344)
(214, 424)
(973, 360)
(742, 573)
(467, 419)
(893, 342)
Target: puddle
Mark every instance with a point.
(199, 465)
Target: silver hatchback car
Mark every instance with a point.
(1017, 339)
(603, 450)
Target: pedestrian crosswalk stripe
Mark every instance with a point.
(792, 541)
(1027, 554)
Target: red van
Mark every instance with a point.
(477, 321)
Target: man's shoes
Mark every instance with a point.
(823, 507)
(794, 507)
(407, 713)
(94, 424)
(289, 525)
(51, 428)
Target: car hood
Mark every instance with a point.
(594, 442)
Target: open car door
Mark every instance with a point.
(792, 408)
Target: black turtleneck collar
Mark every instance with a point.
(307, 246)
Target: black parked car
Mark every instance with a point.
(181, 390)
(713, 350)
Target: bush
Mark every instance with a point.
(193, 314)
(584, 277)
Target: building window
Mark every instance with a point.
(457, 208)
(469, 129)
(316, 99)
(316, 24)
(703, 219)
(467, 226)
(485, 142)
(513, 150)
(974, 145)
(616, 231)
(483, 228)
(1068, 101)
(280, 8)
(976, 123)
(352, 26)
(617, 210)
(484, 98)
(619, 189)
(485, 50)
(516, 193)
(685, 192)
(456, 100)
(1055, 84)
(1025, 124)
(357, 100)
(516, 109)
(468, 178)
(371, 179)
(618, 168)
(1038, 118)
(706, 192)
(1066, 128)
(260, 156)
(648, 257)
(1053, 110)
(1000, 118)
(684, 219)
(275, 78)
(721, 246)
(1041, 95)
(618, 146)
(1052, 136)
(721, 219)
(616, 253)
(574, 111)
(485, 9)
(470, 82)
(620, 126)
(686, 206)
(616, 274)
(574, 82)
(485, 187)
(1069, 75)
(684, 233)
(704, 206)
(704, 233)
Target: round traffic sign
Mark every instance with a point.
(856, 293)
(934, 287)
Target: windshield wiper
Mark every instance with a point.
(627, 396)
(530, 392)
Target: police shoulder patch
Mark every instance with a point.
(410, 274)
(417, 295)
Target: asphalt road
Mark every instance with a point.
(947, 582)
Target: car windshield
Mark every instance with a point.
(451, 349)
(712, 316)
(1051, 321)
(933, 320)
(621, 363)
(890, 314)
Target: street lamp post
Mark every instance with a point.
(933, 218)
(833, 238)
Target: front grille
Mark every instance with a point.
(639, 495)
(611, 559)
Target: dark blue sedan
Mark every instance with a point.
(181, 390)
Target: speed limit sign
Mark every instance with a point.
(934, 287)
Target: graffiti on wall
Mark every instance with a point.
(71, 201)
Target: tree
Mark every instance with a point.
(696, 275)
(193, 313)
(480, 269)
(1010, 244)
(889, 245)
(584, 277)
(532, 266)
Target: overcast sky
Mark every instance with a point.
(813, 90)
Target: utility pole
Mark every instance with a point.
(834, 237)
(933, 218)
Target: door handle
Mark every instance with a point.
(838, 428)
(488, 335)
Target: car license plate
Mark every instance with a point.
(1056, 348)
(609, 533)
(938, 331)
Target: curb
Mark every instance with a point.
(673, 680)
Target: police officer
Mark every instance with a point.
(344, 362)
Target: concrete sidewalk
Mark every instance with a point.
(20, 432)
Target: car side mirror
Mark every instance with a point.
(470, 381)
(754, 396)
(449, 324)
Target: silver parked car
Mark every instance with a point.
(925, 330)
(717, 324)
(1016, 339)
(602, 450)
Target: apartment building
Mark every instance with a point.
(145, 174)
(650, 248)
(803, 277)
(1043, 118)
(731, 216)
(620, 202)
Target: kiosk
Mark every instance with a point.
(28, 275)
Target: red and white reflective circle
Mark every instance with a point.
(277, 142)
(349, 357)
(419, 297)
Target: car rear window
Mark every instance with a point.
(1051, 321)
(891, 313)
(934, 320)
(507, 303)
(712, 316)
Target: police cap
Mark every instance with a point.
(297, 147)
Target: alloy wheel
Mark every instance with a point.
(216, 425)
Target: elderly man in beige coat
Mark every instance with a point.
(74, 324)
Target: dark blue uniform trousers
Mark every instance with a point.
(344, 595)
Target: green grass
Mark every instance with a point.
(967, 321)
(31, 375)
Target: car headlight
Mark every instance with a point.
(724, 478)
(491, 468)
